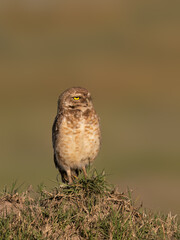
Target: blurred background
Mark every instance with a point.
(127, 54)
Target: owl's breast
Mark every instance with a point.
(78, 141)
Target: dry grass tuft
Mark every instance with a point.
(88, 209)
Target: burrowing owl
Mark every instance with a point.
(75, 133)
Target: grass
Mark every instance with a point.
(88, 209)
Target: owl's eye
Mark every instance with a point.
(76, 98)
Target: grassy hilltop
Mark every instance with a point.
(88, 209)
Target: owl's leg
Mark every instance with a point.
(84, 171)
(69, 176)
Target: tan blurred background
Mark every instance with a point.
(127, 53)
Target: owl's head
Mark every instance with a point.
(75, 98)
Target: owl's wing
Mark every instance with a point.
(55, 129)
(54, 132)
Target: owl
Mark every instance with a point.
(75, 133)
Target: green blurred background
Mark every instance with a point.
(127, 54)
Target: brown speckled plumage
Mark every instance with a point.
(75, 133)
